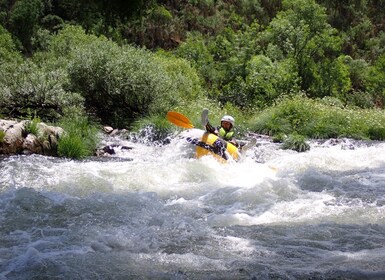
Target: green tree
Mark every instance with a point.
(24, 19)
(301, 31)
(31, 87)
(8, 51)
(268, 80)
(122, 83)
(376, 81)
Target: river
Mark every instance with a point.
(155, 212)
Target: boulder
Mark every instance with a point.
(16, 140)
(32, 145)
(13, 139)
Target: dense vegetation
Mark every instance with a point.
(313, 68)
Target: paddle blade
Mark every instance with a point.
(249, 145)
(179, 119)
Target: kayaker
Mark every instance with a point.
(225, 130)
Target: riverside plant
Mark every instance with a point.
(2, 135)
(315, 119)
(295, 142)
(80, 137)
(31, 126)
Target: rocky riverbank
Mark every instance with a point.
(15, 138)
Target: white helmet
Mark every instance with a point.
(229, 119)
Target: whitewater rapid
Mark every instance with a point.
(156, 212)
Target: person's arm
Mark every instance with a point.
(211, 129)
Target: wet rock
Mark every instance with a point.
(17, 140)
(126, 148)
(31, 145)
(13, 140)
(108, 129)
(109, 150)
(48, 130)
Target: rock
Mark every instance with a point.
(31, 144)
(114, 132)
(126, 148)
(13, 140)
(17, 140)
(47, 148)
(108, 129)
(50, 130)
(109, 150)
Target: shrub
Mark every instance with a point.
(295, 142)
(314, 119)
(8, 52)
(185, 85)
(32, 126)
(31, 86)
(80, 137)
(377, 133)
(267, 80)
(120, 84)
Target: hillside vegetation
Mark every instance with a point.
(315, 68)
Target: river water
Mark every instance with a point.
(155, 212)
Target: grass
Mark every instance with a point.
(315, 119)
(31, 126)
(80, 138)
(2, 135)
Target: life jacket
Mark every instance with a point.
(227, 135)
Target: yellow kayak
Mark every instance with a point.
(211, 144)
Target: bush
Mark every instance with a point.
(32, 126)
(267, 80)
(314, 119)
(38, 88)
(8, 52)
(80, 138)
(121, 84)
(377, 133)
(185, 84)
(295, 142)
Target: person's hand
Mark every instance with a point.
(234, 143)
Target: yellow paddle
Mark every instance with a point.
(179, 119)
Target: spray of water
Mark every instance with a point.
(154, 211)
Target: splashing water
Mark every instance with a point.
(154, 211)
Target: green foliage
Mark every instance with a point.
(314, 119)
(8, 52)
(376, 81)
(31, 125)
(2, 135)
(80, 138)
(295, 142)
(301, 31)
(24, 19)
(268, 80)
(195, 50)
(161, 15)
(121, 84)
(185, 84)
(38, 87)
(234, 62)
(377, 133)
